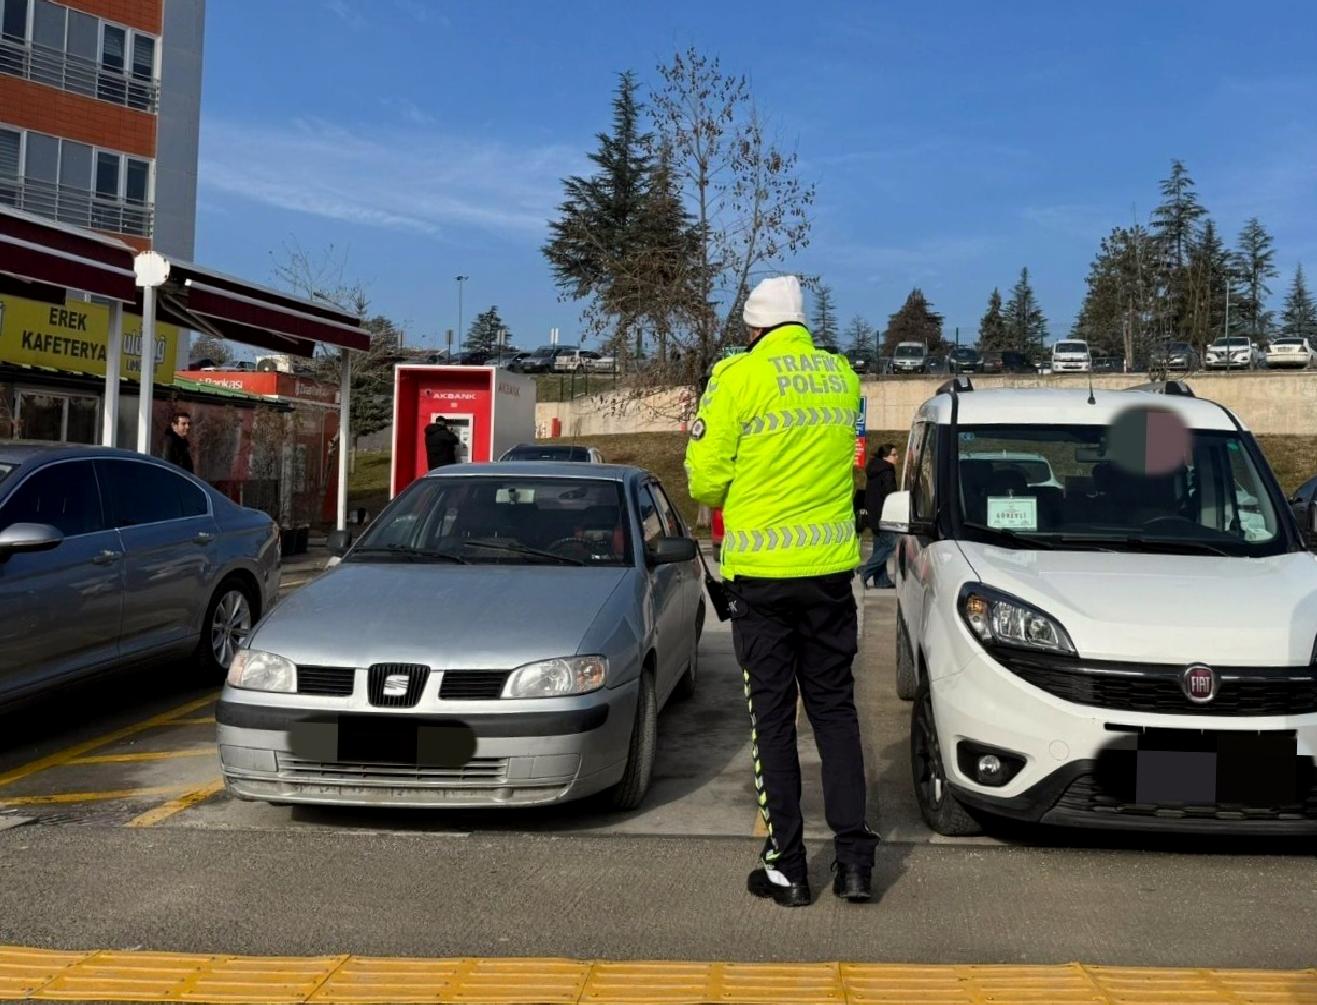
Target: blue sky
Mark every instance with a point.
(950, 143)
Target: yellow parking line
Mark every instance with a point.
(166, 810)
(145, 755)
(127, 975)
(198, 720)
(53, 798)
(78, 749)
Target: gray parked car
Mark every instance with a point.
(501, 635)
(110, 558)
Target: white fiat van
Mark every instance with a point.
(1125, 639)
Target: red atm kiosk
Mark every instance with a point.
(490, 410)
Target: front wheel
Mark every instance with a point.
(941, 810)
(229, 619)
(629, 793)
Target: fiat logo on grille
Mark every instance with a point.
(1199, 683)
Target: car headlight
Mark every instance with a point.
(997, 618)
(556, 678)
(258, 671)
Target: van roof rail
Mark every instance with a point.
(1173, 388)
(956, 385)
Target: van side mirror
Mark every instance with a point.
(18, 538)
(895, 517)
(672, 551)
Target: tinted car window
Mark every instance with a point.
(532, 453)
(61, 495)
(141, 493)
(668, 513)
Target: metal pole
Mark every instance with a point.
(145, 399)
(344, 434)
(113, 366)
(461, 280)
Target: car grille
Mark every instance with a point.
(335, 682)
(1134, 687)
(1088, 794)
(479, 770)
(472, 685)
(380, 674)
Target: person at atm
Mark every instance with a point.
(441, 444)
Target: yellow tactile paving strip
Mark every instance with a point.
(51, 975)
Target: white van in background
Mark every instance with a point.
(1071, 356)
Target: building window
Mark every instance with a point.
(75, 51)
(11, 157)
(63, 418)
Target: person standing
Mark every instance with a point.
(880, 475)
(441, 444)
(773, 445)
(177, 448)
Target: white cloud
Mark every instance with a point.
(344, 10)
(391, 177)
(409, 110)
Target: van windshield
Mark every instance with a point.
(1079, 347)
(1018, 484)
(910, 350)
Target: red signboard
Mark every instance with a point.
(861, 452)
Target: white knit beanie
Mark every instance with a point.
(775, 301)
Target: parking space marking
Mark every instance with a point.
(144, 755)
(197, 720)
(127, 975)
(60, 798)
(79, 749)
(188, 799)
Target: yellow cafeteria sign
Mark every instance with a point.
(74, 337)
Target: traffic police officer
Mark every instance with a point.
(773, 444)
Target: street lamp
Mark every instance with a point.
(460, 281)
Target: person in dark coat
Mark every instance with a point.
(441, 444)
(177, 449)
(880, 474)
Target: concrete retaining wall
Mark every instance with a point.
(1282, 404)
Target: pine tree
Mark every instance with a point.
(1254, 263)
(914, 322)
(1299, 318)
(860, 336)
(992, 326)
(483, 336)
(824, 325)
(1026, 328)
(1118, 315)
(1175, 224)
(1208, 273)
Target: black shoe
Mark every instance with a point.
(793, 895)
(853, 883)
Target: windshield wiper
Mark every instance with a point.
(1155, 545)
(1010, 536)
(521, 549)
(404, 551)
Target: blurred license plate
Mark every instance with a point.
(1187, 768)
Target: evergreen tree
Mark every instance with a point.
(1255, 260)
(1026, 328)
(992, 326)
(1208, 273)
(1119, 312)
(914, 322)
(1175, 225)
(824, 325)
(860, 336)
(483, 336)
(1299, 318)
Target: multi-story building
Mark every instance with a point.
(100, 104)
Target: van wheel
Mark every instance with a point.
(629, 793)
(229, 619)
(941, 810)
(907, 677)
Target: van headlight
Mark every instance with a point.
(997, 618)
(557, 678)
(259, 671)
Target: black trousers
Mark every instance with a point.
(799, 636)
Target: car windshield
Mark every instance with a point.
(1235, 340)
(1058, 487)
(910, 350)
(1071, 347)
(514, 520)
(963, 353)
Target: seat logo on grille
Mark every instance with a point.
(395, 685)
(1199, 683)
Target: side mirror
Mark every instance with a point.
(673, 551)
(338, 542)
(18, 538)
(1312, 518)
(895, 517)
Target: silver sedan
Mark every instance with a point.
(503, 634)
(110, 558)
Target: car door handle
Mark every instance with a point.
(106, 557)
(204, 537)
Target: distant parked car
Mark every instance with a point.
(553, 452)
(937, 364)
(1108, 364)
(1176, 356)
(597, 362)
(861, 361)
(964, 359)
(571, 358)
(1235, 352)
(539, 361)
(1290, 352)
(1007, 361)
(109, 558)
(910, 357)
(1071, 356)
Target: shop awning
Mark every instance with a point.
(52, 256)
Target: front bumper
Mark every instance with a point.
(1242, 363)
(286, 751)
(1070, 366)
(1078, 759)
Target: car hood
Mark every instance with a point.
(447, 617)
(1166, 608)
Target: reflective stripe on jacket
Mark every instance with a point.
(773, 444)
